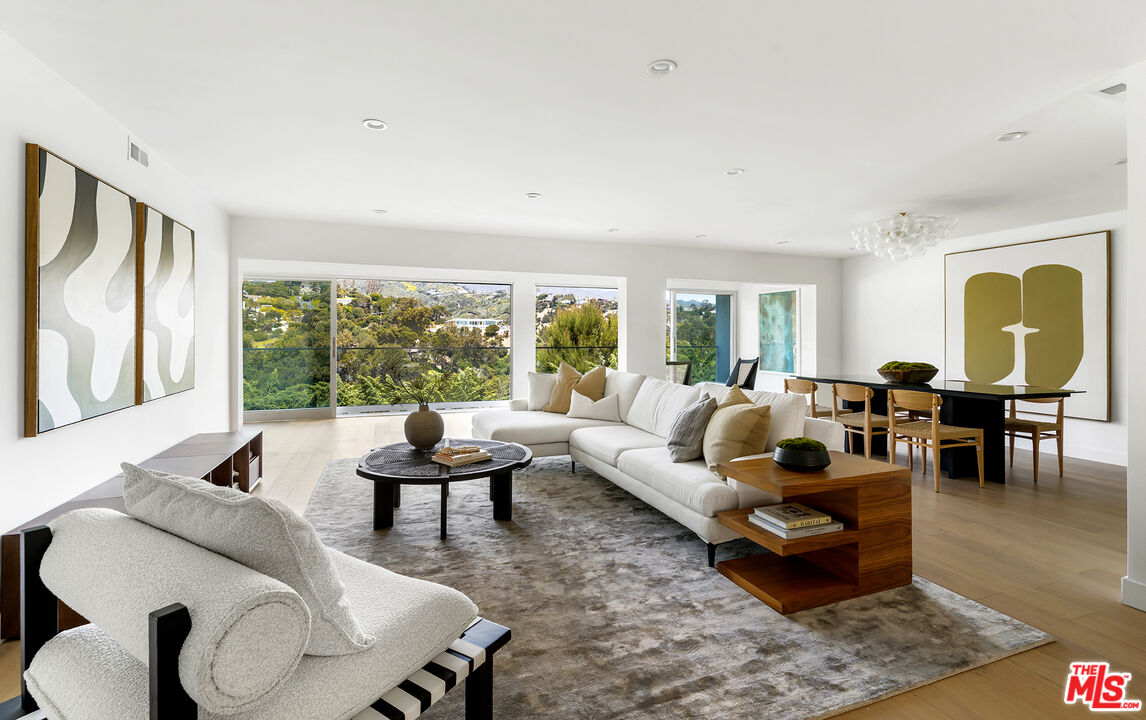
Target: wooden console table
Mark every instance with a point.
(872, 552)
(226, 458)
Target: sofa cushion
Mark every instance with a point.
(248, 630)
(265, 535)
(625, 386)
(657, 404)
(607, 443)
(691, 484)
(603, 409)
(686, 439)
(591, 385)
(789, 410)
(540, 388)
(82, 673)
(530, 427)
(737, 428)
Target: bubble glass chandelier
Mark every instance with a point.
(902, 236)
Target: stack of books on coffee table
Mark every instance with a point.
(458, 456)
(793, 520)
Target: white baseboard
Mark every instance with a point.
(1134, 594)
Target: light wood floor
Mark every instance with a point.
(1051, 555)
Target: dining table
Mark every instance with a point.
(965, 403)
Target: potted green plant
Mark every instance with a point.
(907, 373)
(424, 427)
(802, 454)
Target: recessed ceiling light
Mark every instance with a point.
(614, 230)
(734, 171)
(782, 242)
(659, 68)
(374, 124)
(380, 211)
(701, 237)
(1121, 162)
(532, 196)
(1012, 136)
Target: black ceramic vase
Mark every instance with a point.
(802, 460)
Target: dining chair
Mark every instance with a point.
(809, 388)
(866, 423)
(928, 434)
(679, 371)
(744, 373)
(1015, 426)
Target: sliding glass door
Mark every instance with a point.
(286, 344)
(700, 331)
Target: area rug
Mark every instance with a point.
(616, 615)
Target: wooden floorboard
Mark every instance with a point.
(1050, 554)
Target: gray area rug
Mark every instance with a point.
(616, 615)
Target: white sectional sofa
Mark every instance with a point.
(632, 453)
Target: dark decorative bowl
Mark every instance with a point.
(909, 377)
(802, 460)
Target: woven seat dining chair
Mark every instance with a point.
(928, 434)
(809, 388)
(866, 423)
(743, 373)
(1035, 430)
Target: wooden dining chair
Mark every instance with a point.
(928, 434)
(1015, 426)
(866, 423)
(809, 388)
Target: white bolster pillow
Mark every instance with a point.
(248, 630)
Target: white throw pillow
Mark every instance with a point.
(625, 385)
(604, 409)
(657, 404)
(540, 388)
(265, 535)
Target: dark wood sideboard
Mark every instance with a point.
(226, 458)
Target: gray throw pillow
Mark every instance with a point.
(686, 438)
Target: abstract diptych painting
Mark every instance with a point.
(168, 308)
(97, 338)
(1035, 313)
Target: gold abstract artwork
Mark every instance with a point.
(1034, 323)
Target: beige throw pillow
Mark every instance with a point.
(591, 385)
(737, 428)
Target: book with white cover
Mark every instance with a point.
(824, 529)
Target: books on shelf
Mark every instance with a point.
(808, 531)
(790, 516)
(458, 456)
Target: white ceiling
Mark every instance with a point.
(839, 111)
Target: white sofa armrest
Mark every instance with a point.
(519, 404)
(826, 431)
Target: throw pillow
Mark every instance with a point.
(686, 438)
(734, 431)
(540, 388)
(607, 408)
(626, 385)
(265, 535)
(591, 385)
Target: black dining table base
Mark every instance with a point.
(388, 495)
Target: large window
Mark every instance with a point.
(286, 344)
(700, 331)
(576, 325)
(404, 330)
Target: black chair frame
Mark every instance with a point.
(750, 380)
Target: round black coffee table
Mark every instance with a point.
(392, 466)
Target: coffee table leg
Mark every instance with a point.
(445, 494)
(384, 504)
(502, 491)
(397, 494)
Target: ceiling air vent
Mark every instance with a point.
(136, 153)
(1114, 89)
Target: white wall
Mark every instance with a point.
(894, 311)
(1134, 584)
(642, 271)
(41, 472)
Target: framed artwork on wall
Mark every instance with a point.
(1034, 313)
(80, 295)
(779, 331)
(166, 311)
